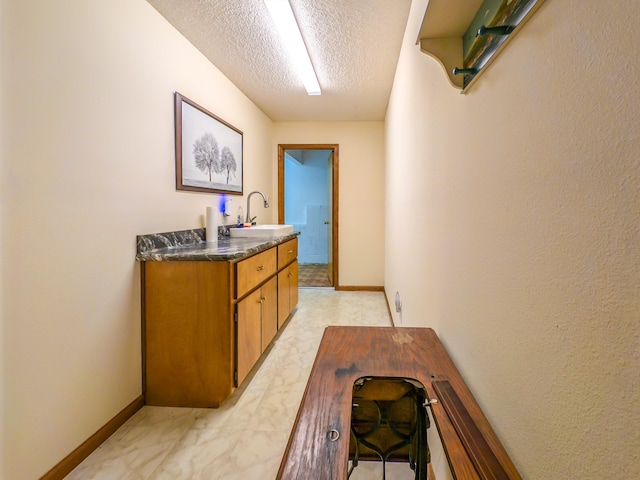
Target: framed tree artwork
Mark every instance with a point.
(208, 150)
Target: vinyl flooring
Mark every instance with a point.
(246, 437)
(313, 275)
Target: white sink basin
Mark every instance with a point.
(262, 231)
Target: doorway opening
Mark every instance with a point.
(308, 200)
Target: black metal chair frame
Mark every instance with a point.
(419, 455)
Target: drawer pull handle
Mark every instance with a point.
(334, 435)
(260, 268)
(262, 299)
(290, 251)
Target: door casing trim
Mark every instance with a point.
(334, 147)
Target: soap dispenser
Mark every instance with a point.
(224, 207)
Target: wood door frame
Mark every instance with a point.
(334, 147)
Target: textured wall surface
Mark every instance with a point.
(88, 156)
(361, 192)
(523, 199)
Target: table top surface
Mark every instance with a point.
(349, 353)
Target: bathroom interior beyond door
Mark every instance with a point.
(307, 192)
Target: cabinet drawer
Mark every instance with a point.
(287, 252)
(252, 271)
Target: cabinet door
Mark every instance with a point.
(249, 339)
(287, 292)
(293, 286)
(269, 312)
(283, 297)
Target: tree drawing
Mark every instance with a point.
(207, 154)
(228, 163)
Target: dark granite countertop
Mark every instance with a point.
(190, 245)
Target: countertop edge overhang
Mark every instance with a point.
(227, 249)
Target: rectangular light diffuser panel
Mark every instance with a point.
(286, 24)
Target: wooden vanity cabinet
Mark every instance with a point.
(256, 326)
(287, 292)
(249, 328)
(287, 279)
(254, 270)
(287, 253)
(207, 323)
(188, 333)
(269, 304)
(256, 314)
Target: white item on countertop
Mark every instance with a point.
(213, 221)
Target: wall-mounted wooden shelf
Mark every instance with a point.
(449, 33)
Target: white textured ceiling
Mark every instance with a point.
(353, 44)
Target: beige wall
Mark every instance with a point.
(512, 219)
(3, 152)
(89, 163)
(361, 192)
(523, 203)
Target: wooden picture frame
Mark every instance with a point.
(208, 150)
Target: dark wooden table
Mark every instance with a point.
(348, 353)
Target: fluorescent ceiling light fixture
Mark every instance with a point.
(286, 24)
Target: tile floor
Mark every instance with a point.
(246, 437)
(313, 275)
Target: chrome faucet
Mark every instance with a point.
(266, 205)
